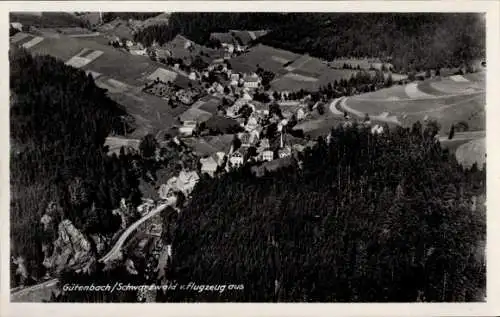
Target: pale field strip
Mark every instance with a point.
(299, 77)
(164, 75)
(18, 37)
(279, 59)
(33, 42)
(292, 68)
(459, 78)
(450, 88)
(78, 61)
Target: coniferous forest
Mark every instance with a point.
(368, 218)
(59, 121)
(410, 41)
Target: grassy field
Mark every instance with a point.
(409, 106)
(267, 57)
(298, 79)
(388, 94)
(112, 62)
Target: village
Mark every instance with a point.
(233, 117)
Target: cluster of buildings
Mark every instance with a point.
(130, 46)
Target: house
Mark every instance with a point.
(219, 157)
(285, 152)
(17, 26)
(251, 81)
(137, 50)
(187, 181)
(209, 166)
(300, 114)
(263, 145)
(129, 43)
(235, 77)
(267, 155)
(236, 158)
(245, 139)
(192, 76)
(188, 128)
(377, 129)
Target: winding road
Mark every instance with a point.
(42, 291)
(116, 249)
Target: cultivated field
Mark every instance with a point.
(446, 100)
(267, 57)
(112, 62)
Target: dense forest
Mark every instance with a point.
(59, 121)
(110, 16)
(368, 218)
(411, 41)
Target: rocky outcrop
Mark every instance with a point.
(70, 250)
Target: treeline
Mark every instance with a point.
(197, 26)
(59, 121)
(46, 19)
(110, 16)
(368, 218)
(360, 82)
(410, 41)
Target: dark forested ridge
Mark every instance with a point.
(368, 218)
(412, 41)
(59, 121)
(110, 16)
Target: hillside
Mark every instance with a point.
(449, 100)
(367, 219)
(410, 41)
(59, 121)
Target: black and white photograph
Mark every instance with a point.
(247, 157)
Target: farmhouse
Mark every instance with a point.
(251, 81)
(16, 25)
(236, 158)
(137, 50)
(209, 165)
(187, 128)
(267, 155)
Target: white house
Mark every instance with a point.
(187, 128)
(377, 129)
(208, 165)
(267, 155)
(186, 181)
(16, 25)
(251, 81)
(301, 115)
(236, 159)
(129, 43)
(219, 157)
(192, 76)
(138, 51)
(235, 76)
